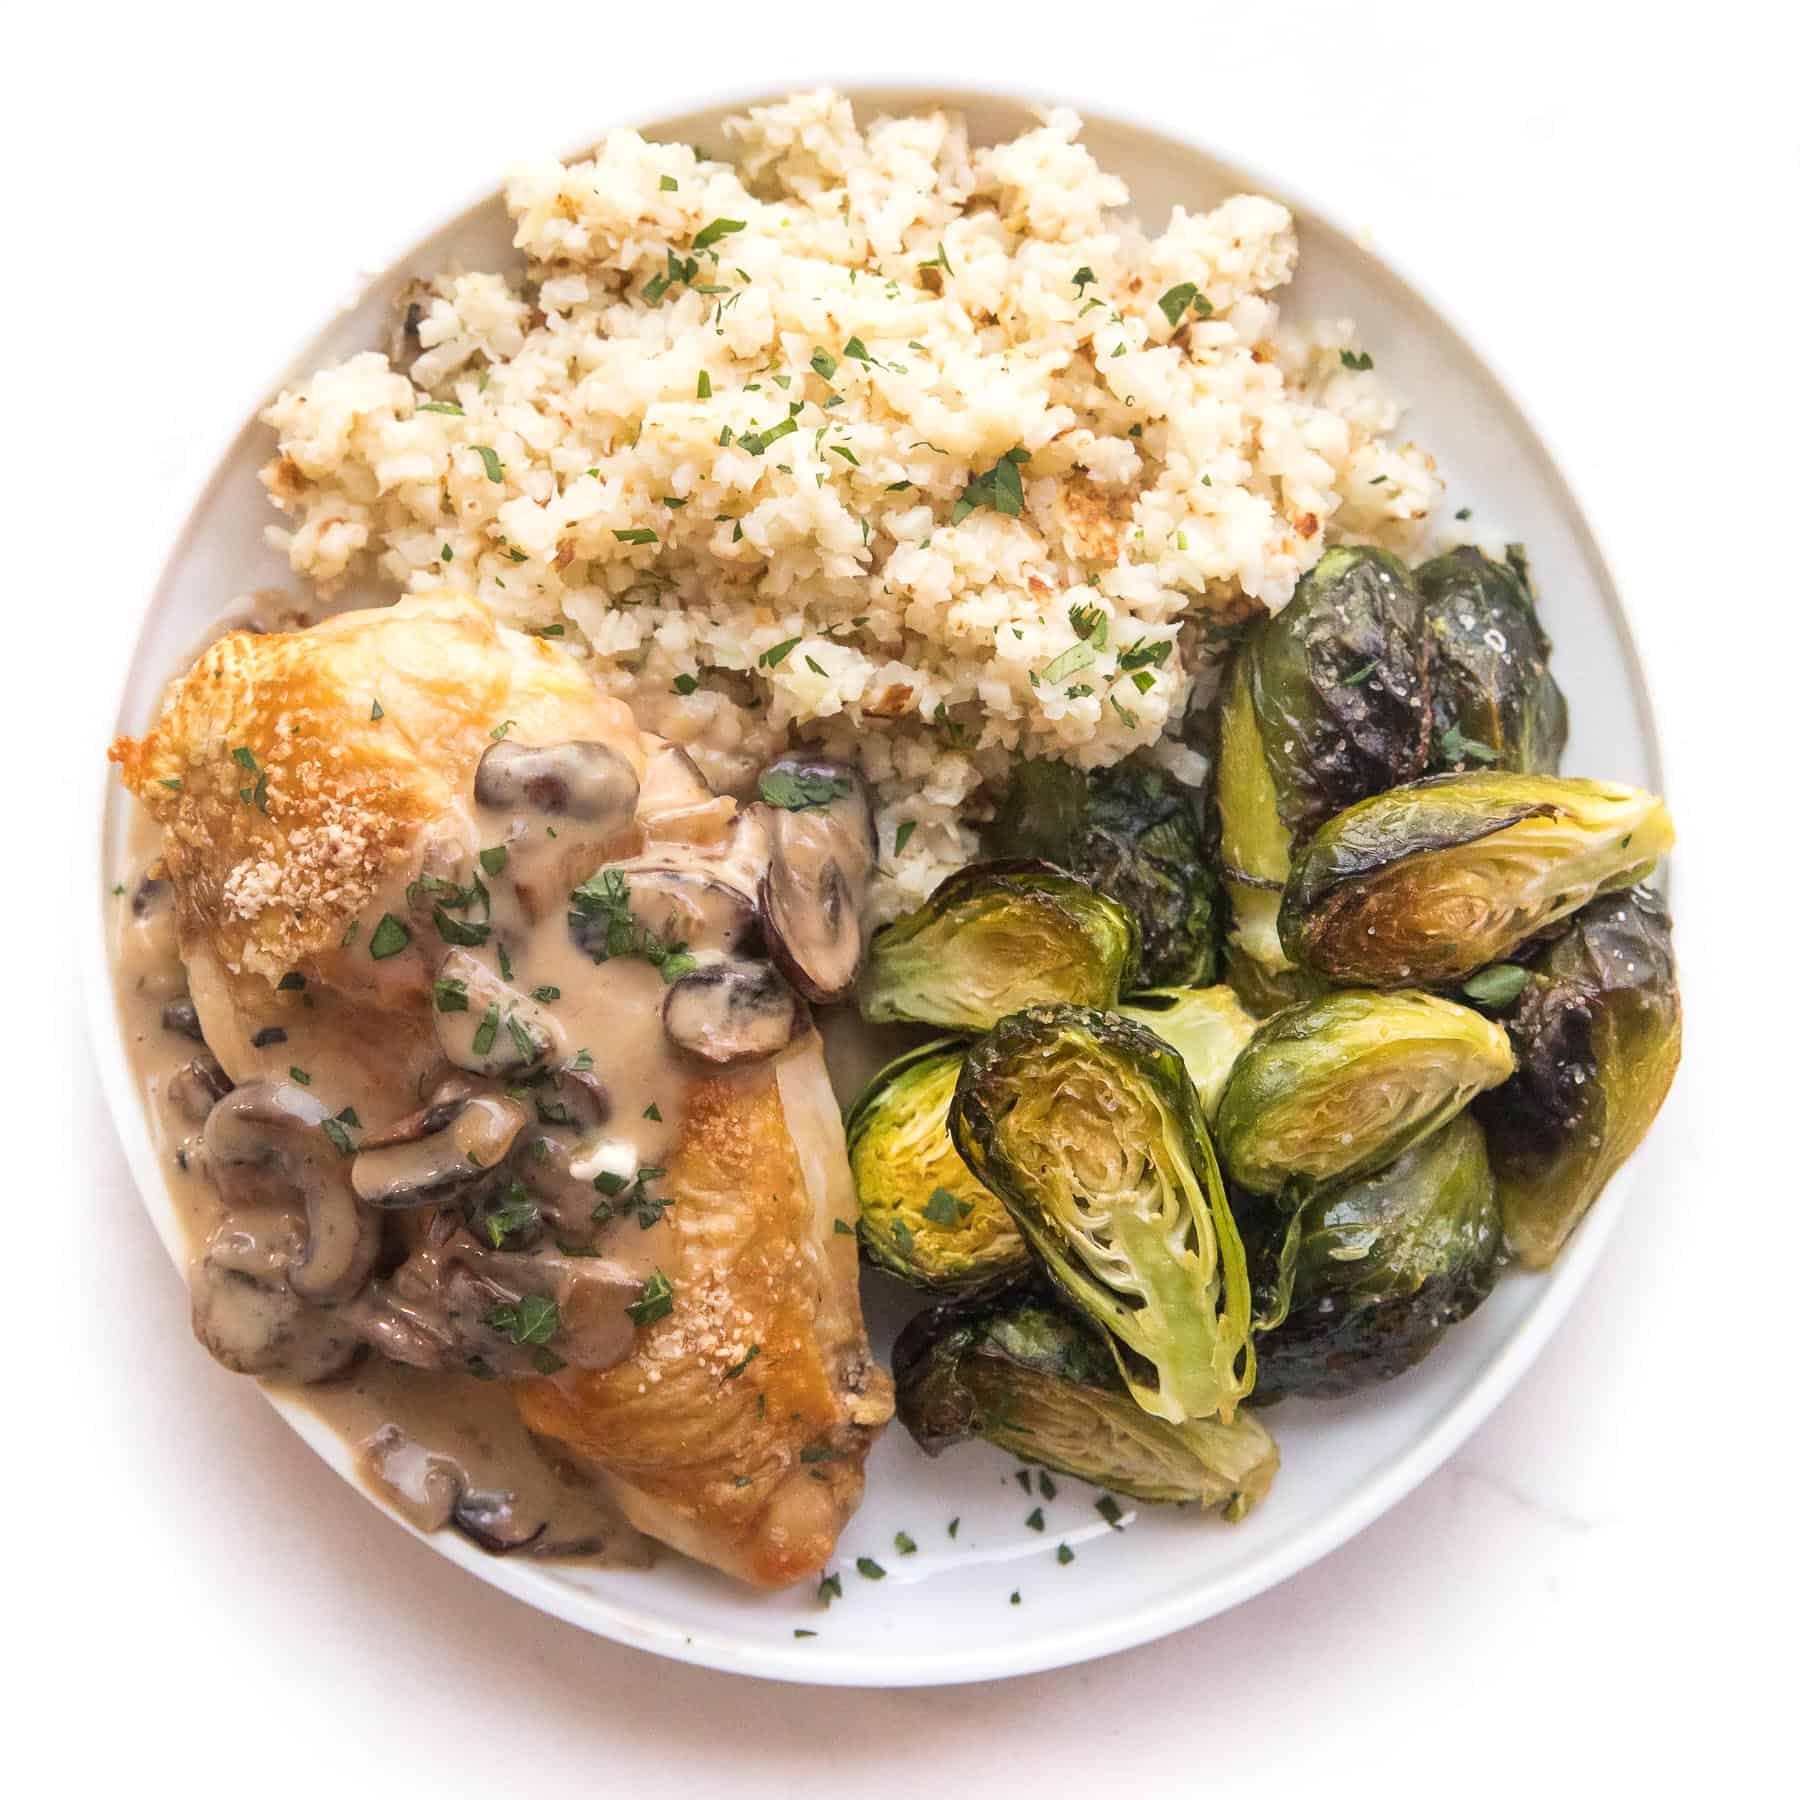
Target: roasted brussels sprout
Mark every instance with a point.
(1041, 1383)
(1263, 990)
(1133, 831)
(1338, 1086)
(1373, 1272)
(1206, 1026)
(1494, 702)
(996, 937)
(1431, 882)
(1597, 1032)
(1090, 1130)
(925, 1218)
(1327, 702)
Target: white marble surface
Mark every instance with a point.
(1598, 1585)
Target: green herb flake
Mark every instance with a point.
(449, 995)
(531, 1320)
(869, 1569)
(998, 488)
(800, 1631)
(339, 1137)
(719, 228)
(490, 461)
(794, 790)
(1078, 656)
(668, 184)
(494, 860)
(824, 364)
(1034, 1520)
(1046, 1486)
(653, 1112)
(1362, 674)
(943, 1208)
(903, 834)
(831, 1588)
(375, 712)
(743, 1362)
(389, 938)
(1457, 748)
(953, 1526)
(1177, 300)
(1082, 277)
(442, 406)
(1356, 359)
(300, 1075)
(684, 685)
(846, 453)
(1108, 1508)
(502, 729)
(903, 1543)
(638, 534)
(1463, 512)
(1064, 1555)
(459, 931)
(487, 1030)
(657, 1303)
(1499, 985)
(843, 1228)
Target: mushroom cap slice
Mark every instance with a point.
(822, 849)
(575, 780)
(730, 1012)
(458, 1144)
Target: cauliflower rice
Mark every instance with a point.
(920, 450)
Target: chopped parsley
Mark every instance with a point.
(943, 1208)
(532, 1320)
(487, 1030)
(1179, 298)
(703, 386)
(442, 406)
(743, 1362)
(831, 1588)
(903, 1542)
(300, 1075)
(490, 461)
(824, 364)
(1146, 655)
(340, 1138)
(843, 1228)
(449, 994)
(389, 938)
(1064, 1555)
(684, 684)
(375, 712)
(1078, 656)
(1082, 277)
(546, 994)
(998, 488)
(607, 895)
(903, 834)
(1356, 359)
(668, 184)
(1500, 985)
(639, 534)
(1034, 1520)
(653, 1111)
(657, 1303)
(494, 860)
(756, 442)
(459, 931)
(710, 234)
(1108, 1508)
(1457, 748)
(869, 1569)
(797, 790)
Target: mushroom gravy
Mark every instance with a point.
(385, 1196)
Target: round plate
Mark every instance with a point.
(994, 1600)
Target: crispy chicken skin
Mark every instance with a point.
(738, 1426)
(294, 772)
(302, 781)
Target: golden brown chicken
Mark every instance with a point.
(446, 910)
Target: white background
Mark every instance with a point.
(1600, 1586)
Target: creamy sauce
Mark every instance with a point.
(517, 1019)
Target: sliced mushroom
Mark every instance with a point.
(265, 1141)
(494, 1522)
(675, 906)
(468, 1140)
(677, 806)
(183, 1018)
(496, 1030)
(249, 1318)
(575, 780)
(197, 1087)
(152, 895)
(731, 1012)
(822, 851)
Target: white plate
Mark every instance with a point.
(946, 1613)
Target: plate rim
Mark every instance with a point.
(850, 1667)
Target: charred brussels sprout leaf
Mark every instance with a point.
(1339, 1086)
(1373, 1272)
(1041, 1383)
(925, 1218)
(1328, 701)
(1206, 1027)
(996, 937)
(1090, 1130)
(1431, 882)
(1264, 990)
(1491, 686)
(1597, 1032)
(1133, 832)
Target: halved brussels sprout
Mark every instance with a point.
(1597, 1031)
(1327, 701)
(1090, 1130)
(1132, 831)
(1263, 990)
(996, 937)
(925, 1218)
(1206, 1026)
(1494, 702)
(1373, 1272)
(1041, 1383)
(1338, 1086)
(1431, 882)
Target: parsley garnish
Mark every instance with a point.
(796, 790)
(1177, 300)
(824, 363)
(1457, 748)
(449, 994)
(489, 461)
(831, 1588)
(487, 1030)
(607, 895)
(943, 1208)
(657, 1303)
(442, 406)
(494, 860)
(1078, 656)
(1034, 1520)
(1108, 1508)
(339, 1137)
(869, 1569)
(458, 931)
(1499, 985)
(710, 234)
(998, 488)
(684, 684)
(389, 937)
(532, 1320)
(903, 834)
(375, 712)
(743, 1362)
(639, 534)
(1356, 359)
(546, 994)
(777, 654)
(903, 1542)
